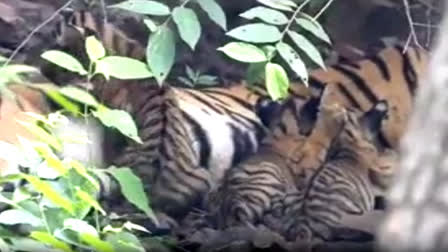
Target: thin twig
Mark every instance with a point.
(411, 23)
(40, 26)
(321, 11)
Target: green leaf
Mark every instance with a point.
(256, 33)
(50, 193)
(190, 73)
(256, 73)
(307, 47)
(64, 60)
(214, 12)
(84, 196)
(293, 59)
(307, 23)
(188, 25)
(285, 5)
(49, 239)
(243, 52)
(94, 49)
(207, 80)
(161, 52)
(266, 14)
(124, 68)
(79, 95)
(18, 216)
(144, 7)
(125, 241)
(132, 188)
(277, 82)
(150, 24)
(52, 160)
(119, 119)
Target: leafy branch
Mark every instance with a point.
(274, 15)
(161, 49)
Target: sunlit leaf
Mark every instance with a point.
(42, 135)
(97, 243)
(79, 95)
(49, 239)
(256, 33)
(50, 193)
(277, 82)
(161, 52)
(144, 7)
(132, 188)
(266, 14)
(243, 52)
(124, 68)
(94, 48)
(214, 12)
(119, 119)
(81, 170)
(90, 200)
(293, 59)
(64, 60)
(307, 23)
(188, 25)
(52, 160)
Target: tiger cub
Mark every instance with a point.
(266, 185)
(342, 185)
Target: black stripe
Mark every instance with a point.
(240, 145)
(238, 100)
(201, 136)
(202, 100)
(345, 61)
(382, 66)
(359, 82)
(409, 74)
(353, 102)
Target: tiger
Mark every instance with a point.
(342, 185)
(231, 110)
(266, 181)
(392, 73)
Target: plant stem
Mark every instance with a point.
(293, 17)
(323, 10)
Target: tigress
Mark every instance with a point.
(222, 125)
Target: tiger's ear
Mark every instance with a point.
(372, 119)
(267, 110)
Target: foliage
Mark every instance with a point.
(195, 78)
(272, 26)
(57, 208)
(273, 23)
(161, 50)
